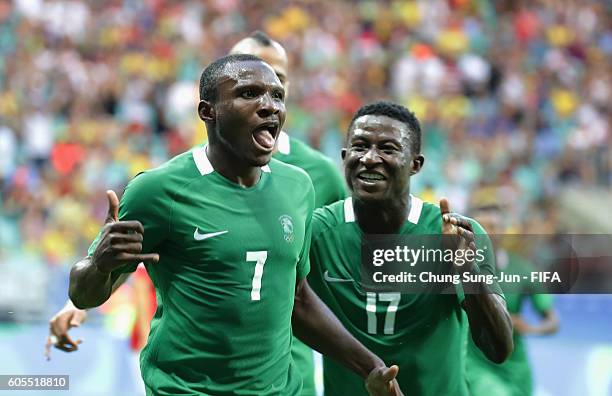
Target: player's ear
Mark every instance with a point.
(343, 153)
(206, 111)
(417, 164)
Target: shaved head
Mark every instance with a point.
(262, 46)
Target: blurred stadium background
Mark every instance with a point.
(514, 96)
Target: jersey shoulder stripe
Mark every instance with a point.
(342, 212)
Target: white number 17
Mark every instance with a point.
(393, 299)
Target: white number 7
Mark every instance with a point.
(393, 299)
(260, 257)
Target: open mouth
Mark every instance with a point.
(371, 177)
(265, 135)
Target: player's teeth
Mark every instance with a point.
(369, 176)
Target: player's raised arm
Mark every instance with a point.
(119, 244)
(318, 327)
(490, 322)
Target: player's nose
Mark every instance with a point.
(370, 158)
(268, 106)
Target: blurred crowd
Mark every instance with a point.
(514, 97)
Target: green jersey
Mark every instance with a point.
(329, 187)
(422, 333)
(225, 282)
(328, 182)
(512, 377)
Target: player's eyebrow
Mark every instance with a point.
(356, 137)
(390, 140)
(259, 85)
(249, 84)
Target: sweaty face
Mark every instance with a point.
(378, 159)
(249, 111)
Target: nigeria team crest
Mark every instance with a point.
(287, 224)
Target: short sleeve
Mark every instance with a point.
(144, 200)
(303, 266)
(316, 264)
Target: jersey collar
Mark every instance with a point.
(205, 167)
(416, 206)
(282, 143)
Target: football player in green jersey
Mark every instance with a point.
(224, 231)
(327, 181)
(328, 185)
(422, 332)
(513, 377)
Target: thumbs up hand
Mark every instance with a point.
(120, 242)
(457, 233)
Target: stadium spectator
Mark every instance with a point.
(123, 85)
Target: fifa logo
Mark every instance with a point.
(287, 225)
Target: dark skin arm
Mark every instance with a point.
(91, 282)
(490, 322)
(490, 325)
(318, 327)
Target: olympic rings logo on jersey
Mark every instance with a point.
(287, 223)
